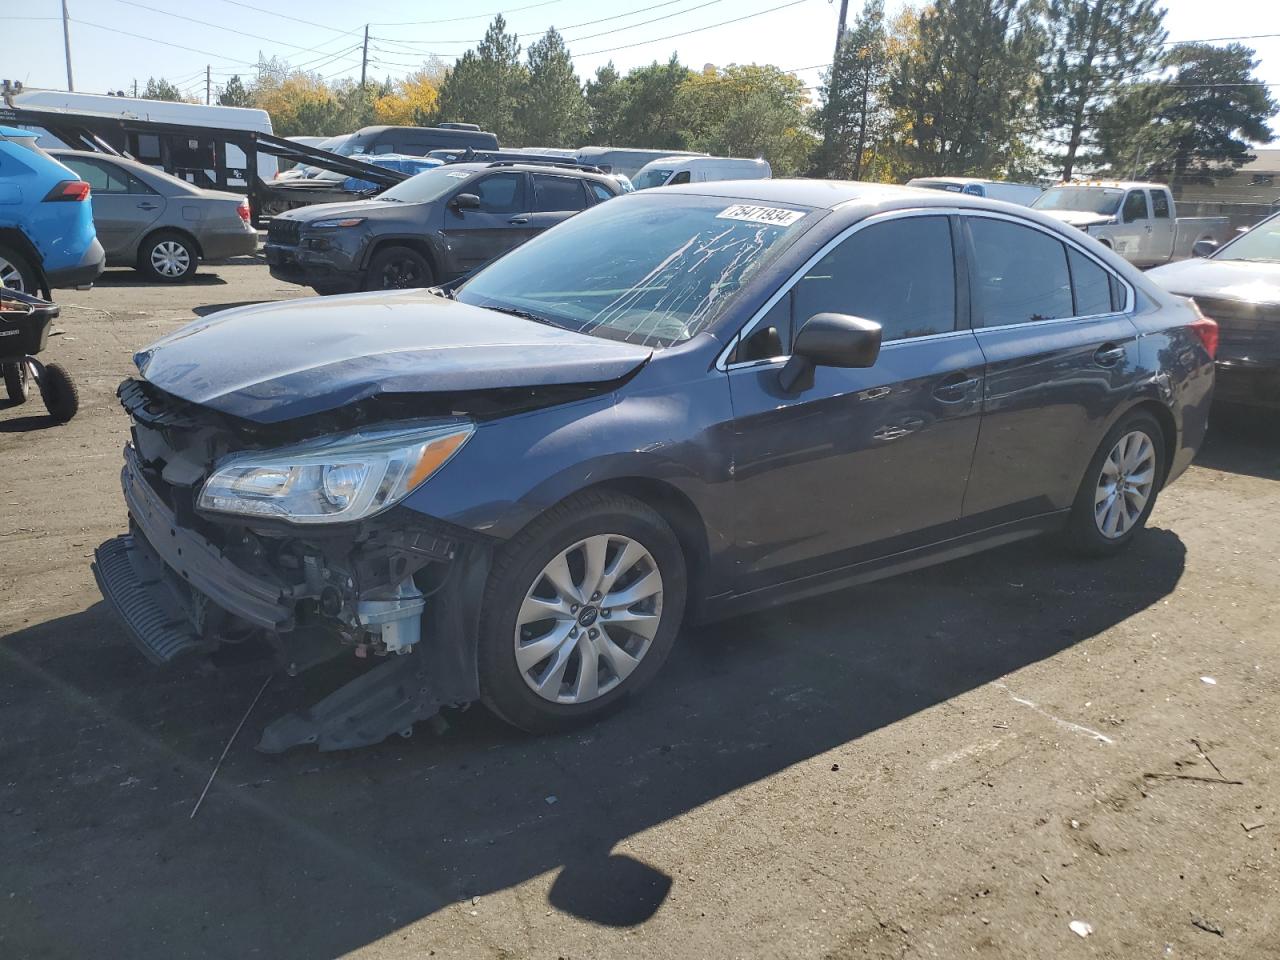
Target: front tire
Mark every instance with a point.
(58, 391)
(398, 268)
(1119, 488)
(580, 611)
(167, 257)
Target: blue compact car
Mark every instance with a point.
(678, 405)
(47, 237)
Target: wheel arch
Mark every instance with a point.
(1168, 427)
(417, 244)
(16, 238)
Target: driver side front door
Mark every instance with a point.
(476, 236)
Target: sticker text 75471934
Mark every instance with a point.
(774, 216)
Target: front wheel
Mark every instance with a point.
(1119, 487)
(580, 611)
(398, 268)
(16, 272)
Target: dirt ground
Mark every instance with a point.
(958, 762)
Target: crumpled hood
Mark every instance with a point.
(1079, 218)
(1248, 282)
(334, 211)
(273, 362)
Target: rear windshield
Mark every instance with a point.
(1104, 200)
(652, 269)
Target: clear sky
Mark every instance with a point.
(115, 42)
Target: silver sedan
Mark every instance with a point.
(164, 226)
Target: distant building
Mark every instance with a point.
(1258, 181)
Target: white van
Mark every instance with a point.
(1021, 193)
(164, 111)
(673, 170)
(627, 161)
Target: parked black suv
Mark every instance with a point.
(432, 228)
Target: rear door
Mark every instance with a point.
(555, 199)
(864, 462)
(1161, 226)
(478, 236)
(124, 207)
(1061, 353)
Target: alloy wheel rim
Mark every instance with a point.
(1124, 485)
(400, 275)
(170, 258)
(588, 619)
(10, 277)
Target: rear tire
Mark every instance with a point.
(17, 381)
(58, 391)
(398, 268)
(579, 583)
(1119, 488)
(167, 256)
(16, 272)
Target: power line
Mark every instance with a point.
(474, 16)
(1251, 36)
(135, 36)
(285, 16)
(218, 26)
(642, 23)
(685, 33)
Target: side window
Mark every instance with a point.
(556, 194)
(1159, 205)
(601, 191)
(1018, 274)
(101, 177)
(900, 273)
(681, 177)
(499, 193)
(1135, 206)
(1090, 284)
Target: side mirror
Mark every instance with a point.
(464, 201)
(1204, 248)
(830, 340)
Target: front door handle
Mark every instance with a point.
(518, 220)
(147, 205)
(955, 388)
(1108, 355)
(898, 430)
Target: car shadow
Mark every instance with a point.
(128, 277)
(1243, 440)
(311, 854)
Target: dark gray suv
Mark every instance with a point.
(432, 228)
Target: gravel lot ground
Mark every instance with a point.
(957, 762)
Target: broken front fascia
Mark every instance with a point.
(187, 580)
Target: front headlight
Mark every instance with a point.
(333, 479)
(344, 222)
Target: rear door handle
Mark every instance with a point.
(1108, 355)
(899, 430)
(955, 388)
(518, 220)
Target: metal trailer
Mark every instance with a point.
(197, 154)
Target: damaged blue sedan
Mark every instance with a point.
(680, 405)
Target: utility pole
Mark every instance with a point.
(833, 84)
(66, 43)
(208, 83)
(364, 61)
(135, 88)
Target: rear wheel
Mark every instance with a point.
(167, 256)
(398, 268)
(1119, 488)
(580, 611)
(16, 271)
(17, 381)
(58, 391)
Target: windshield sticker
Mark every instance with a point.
(458, 174)
(774, 216)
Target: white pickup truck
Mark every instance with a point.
(1136, 220)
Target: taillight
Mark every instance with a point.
(69, 190)
(243, 210)
(1207, 331)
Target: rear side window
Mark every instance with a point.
(104, 177)
(1019, 275)
(1159, 205)
(1091, 286)
(900, 273)
(601, 191)
(499, 193)
(555, 194)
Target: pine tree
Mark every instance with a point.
(606, 99)
(853, 96)
(1096, 46)
(967, 90)
(234, 94)
(552, 112)
(486, 84)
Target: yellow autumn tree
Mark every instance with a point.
(414, 101)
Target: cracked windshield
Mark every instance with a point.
(658, 274)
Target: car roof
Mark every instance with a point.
(1111, 184)
(566, 169)
(17, 132)
(826, 194)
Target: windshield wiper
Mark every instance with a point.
(522, 314)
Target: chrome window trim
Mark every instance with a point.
(722, 361)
